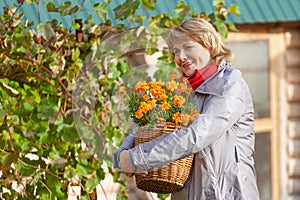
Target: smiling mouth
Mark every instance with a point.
(187, 65)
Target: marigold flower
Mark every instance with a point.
(193, 114)
(185, 118)
(171, 86)
(154, 92)
(146, 97)
(138, 114)
(165, 106)
(141, 86)
(182, 87)
(178, 101)
(176, 117)
(162, 97)
(144, 107)
(152, 103)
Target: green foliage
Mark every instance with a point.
(41, 150)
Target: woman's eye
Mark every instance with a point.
(176, 51)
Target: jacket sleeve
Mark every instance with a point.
(218, 115)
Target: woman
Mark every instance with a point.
(221, 137)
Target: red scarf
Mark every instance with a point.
(201, 75)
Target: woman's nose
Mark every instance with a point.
(182, 55)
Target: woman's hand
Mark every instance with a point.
(126, 166)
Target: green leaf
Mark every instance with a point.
(92, 182)
(48, 108)
(235, 9)
(36, 95)
(69, 134)
(55, 186)
(217, 3)
(45, 31)
(11, 91)
(101, 11)
(9, 158)
(51, 7)
(149, 4)
(223, 30)
(115, 72)
(232, 27)
(57, 161)
(75, 25)
(107, 1)
(126, 9)
(181, 9)
(70, 172)
(14, 119)
(66, 8)
(28, 107)
(47, 88)
(26, 171)
(83, 170)
(31, 1)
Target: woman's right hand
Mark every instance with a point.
(126, 165)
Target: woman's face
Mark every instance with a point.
(190, 55)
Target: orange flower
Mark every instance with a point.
(138, 114)
(154, 92)
(144, 107)
(194, 114)
(162, 97)
(185, 119)
(156, 85)
(171, 86)
(165, 106)
(176, 117)
(182, 87)
(141, 86)
(152, 103)
(178, 101)
(146, 97)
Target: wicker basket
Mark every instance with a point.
(171, 177)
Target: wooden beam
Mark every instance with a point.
(262, 125)
(293, 92)
(277, 50)
(294, 110)
(293, 58)
(294, 151)
(293, 75)
(294, 186)
(294, 129)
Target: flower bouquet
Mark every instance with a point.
(162, 102)
(159, 108)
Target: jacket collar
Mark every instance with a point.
(215, 84)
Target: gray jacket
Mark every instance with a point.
(221, 137)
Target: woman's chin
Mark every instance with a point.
(189, 73)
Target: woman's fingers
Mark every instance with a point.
(125, 163)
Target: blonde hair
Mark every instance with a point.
(205, 34)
